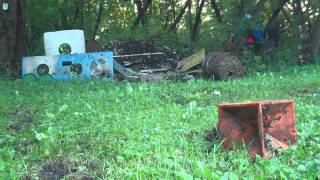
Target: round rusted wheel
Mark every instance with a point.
(222, 66)
(43, 69)
(76, 68)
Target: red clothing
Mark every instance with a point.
(250, 40)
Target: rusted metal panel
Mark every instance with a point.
(222, 65)
(265, 127)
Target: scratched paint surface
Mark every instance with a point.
(87, 65)
(265, 127)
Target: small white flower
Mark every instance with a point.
(218, 93)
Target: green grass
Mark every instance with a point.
(151, 131)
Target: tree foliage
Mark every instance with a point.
(199, 23)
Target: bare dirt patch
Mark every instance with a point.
(211, 135)
(23, 117)
(54, 170)
(64, 169)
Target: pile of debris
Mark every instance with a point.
(149, 55)
(143, 60)
(146, 61)
(135, 60)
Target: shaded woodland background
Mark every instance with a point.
(183, 25)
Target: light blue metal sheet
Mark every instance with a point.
(93, 65)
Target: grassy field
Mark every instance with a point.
(105, 130)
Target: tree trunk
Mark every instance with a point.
(149, 13)
(142, 12)
(189, 18)
(98, 20)
(173, 26)
(216, 10)
(144, 18)
(238, 13)
(165, 10)
(304, 34)
(286, 15)
(197, 23)
(78, 13)
(139, 9)
(297, 9)
(315, 40)
(258, 9)
(13, 41)
(63, 19)
(173, 5)
(276, 11)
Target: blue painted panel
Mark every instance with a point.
(66, 67)
(94, 65)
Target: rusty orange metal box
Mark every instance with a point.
(265, 127)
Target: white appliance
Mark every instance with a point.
(53, 40)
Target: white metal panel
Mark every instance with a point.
(30, 64)
(75, 38)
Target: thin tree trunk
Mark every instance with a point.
(238, 13)
(144, 17)
(189, 20)
(259, 8)
(142, 12)
(13, 41)
(305, 55)
(21, 48)
(82, 14)
(286, 15)
(170, 14)
(289, 21)
(173, 9)
(149, 13)
(197, 23)
(167, 12)
(173, 26)
(216, 10)
(280, 4)
(140, 9)
(63, 19)
(78, 12)
(297, 8)
(315, 39)
(98, 20)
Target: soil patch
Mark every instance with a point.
(22, 146)
(56, 170)
(305, 91)
(16, 126)
(24, 114)
(211, 135)
(310, 91)
(23, 118)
